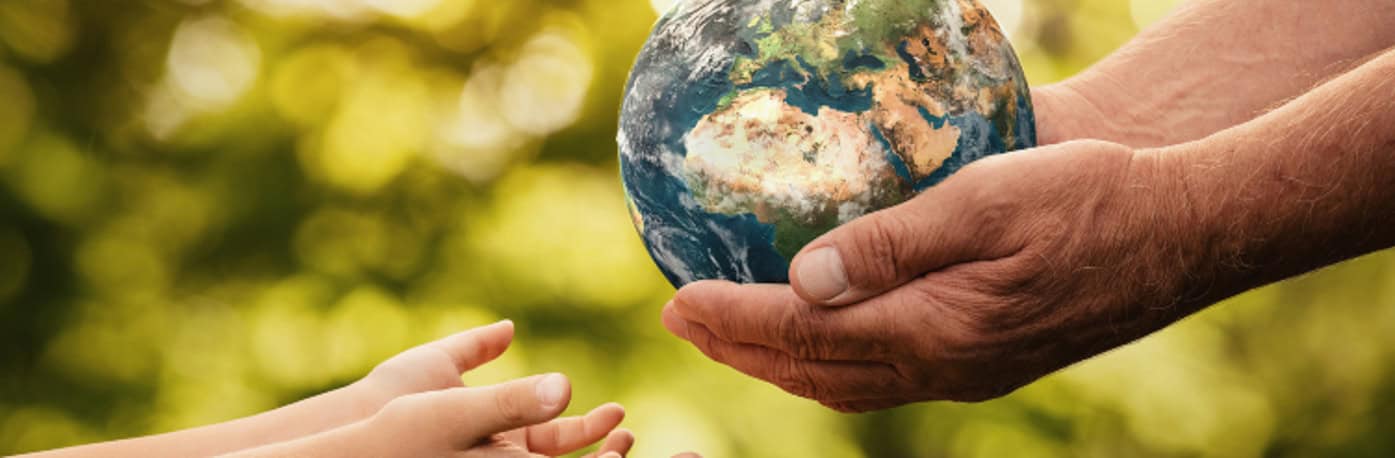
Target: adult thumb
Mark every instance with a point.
(885, 249)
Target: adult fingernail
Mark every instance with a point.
(551, 390)
(821, 274)
(611, 455)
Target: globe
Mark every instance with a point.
(751, 127)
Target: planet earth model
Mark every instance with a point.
(751, 127)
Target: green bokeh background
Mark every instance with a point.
(211, 208)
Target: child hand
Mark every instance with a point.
(515, 418)
(418, 375)
(411, 405)
(429, 367)
(414, 404)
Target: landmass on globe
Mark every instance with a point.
(749, 128)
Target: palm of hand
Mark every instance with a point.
(420, 369)
(436, 367)
(1015, 267)
(432, 368)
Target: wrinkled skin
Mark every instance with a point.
(1005, 284)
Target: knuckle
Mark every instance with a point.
(393, 367)
(963, 318)
(881, 339)
(708, 344)
(509, 404)
(895, 383)
(790, 330)
(798, 332)
(941, 317)
(878, 251)
(1047, 233)
(394, 408)
(917, 382)
(919, 295)
(792, 377)
(993, 213)
(725, 322)
(1024, 271)
(404, 409)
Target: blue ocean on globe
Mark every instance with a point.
(751, 127)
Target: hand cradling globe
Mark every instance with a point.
(751, 127)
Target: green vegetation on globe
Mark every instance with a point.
(751, 127)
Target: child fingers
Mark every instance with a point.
(469, 349)
(566, 435)
(617, 444)
(498, 408)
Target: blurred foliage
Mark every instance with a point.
(211, 208)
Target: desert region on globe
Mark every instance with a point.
(750, 127)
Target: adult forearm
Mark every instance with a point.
(1214, 64)
(1307, 185)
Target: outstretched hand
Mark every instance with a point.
(432, 366)
(414, 404)
(516, 418)
(422, 386)
(1009, 270)
(1023, 263)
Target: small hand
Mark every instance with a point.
(414, 404)
(427, 369)
(431, 366)
(516, 418)
(1014, 267)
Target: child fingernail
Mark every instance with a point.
(551, 390)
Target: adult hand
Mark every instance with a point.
(1014, 267)
(1064, 113)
